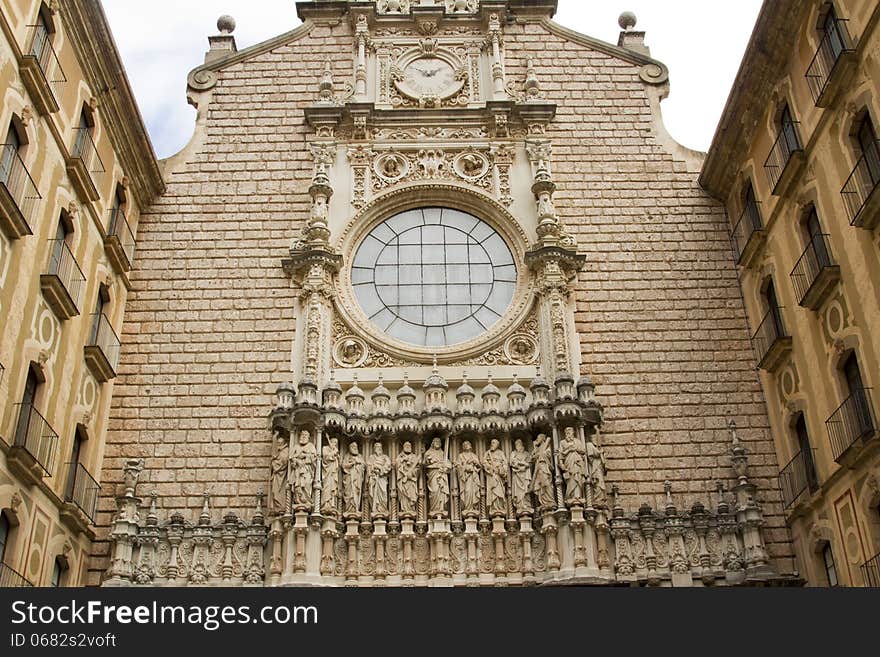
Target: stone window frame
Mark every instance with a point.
(457, 197)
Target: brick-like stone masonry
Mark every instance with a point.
(209, 324)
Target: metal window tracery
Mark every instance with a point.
(434, 276)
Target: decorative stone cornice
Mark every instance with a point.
(103, 69)
(652, 71)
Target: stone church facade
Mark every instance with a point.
(432, 298)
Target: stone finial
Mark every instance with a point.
(205, 517)
(630, 38)
(223, 44)
(226, 24)
(258, 512)
(627, 20)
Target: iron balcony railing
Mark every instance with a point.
(749, 222)
(770, 330)
(11, 579)
(121, 230)
(63, 265)
(834, 44)
(83, 491)
(787, 144)
(798, 476)
(815, 258)
(15, 177)
(104, 338)
(36, 437)
(871, 571)
(861, 183)
(41, 49)
(85, 150)
(853, 421)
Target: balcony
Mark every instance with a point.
(816, 274)
(81, 500)
(119, 242)
(871, 571)
(32, 455)
(63, 282)
(860, 193)
(852, 425)
(748, 235)
(771, 341)
(786, 159)
(798, 477)
(84, 166)
(11, 579)
(833, 64)
(18, 194)
(41, 71)
(102, 350)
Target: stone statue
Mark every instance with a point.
(468, 469)
(280, 475)
(378, 469)
(495, 467)
(407, 480)
(352, 479)
(574, 467)
(521, 478)
(542, 479)
(596, 469)
(303, 461)
(330, 476)
(437, 467)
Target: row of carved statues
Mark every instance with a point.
(498, 483)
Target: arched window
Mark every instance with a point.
(10, 156)
(861, 412)
(5, 535)
(869, 148)
(42, 37)
(830, 567)
(806, 450)
(59, 573)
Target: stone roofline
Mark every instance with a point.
(204, 77)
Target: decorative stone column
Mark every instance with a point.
(124, 530)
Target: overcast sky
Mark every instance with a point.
(701, 42)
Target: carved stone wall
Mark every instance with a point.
(625, 277)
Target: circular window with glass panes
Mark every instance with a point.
(433, 277)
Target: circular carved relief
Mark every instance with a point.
(391, 167)
(46, 326)
(834, 318)
(350, 352)
(788, 383)
(521, 349)
(471, 166)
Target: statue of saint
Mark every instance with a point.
(407, 481)
(542, 479)
(468, 469)
(437, 467)
(596, 468)
(280, 475)
(329, 476)
(378, 469)
(303, 460)
(574, 466)
(495, 467)
(521, 479)
(352, 479)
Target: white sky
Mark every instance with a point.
(162, 40)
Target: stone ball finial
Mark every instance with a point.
(627, 20)
(226, 24)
